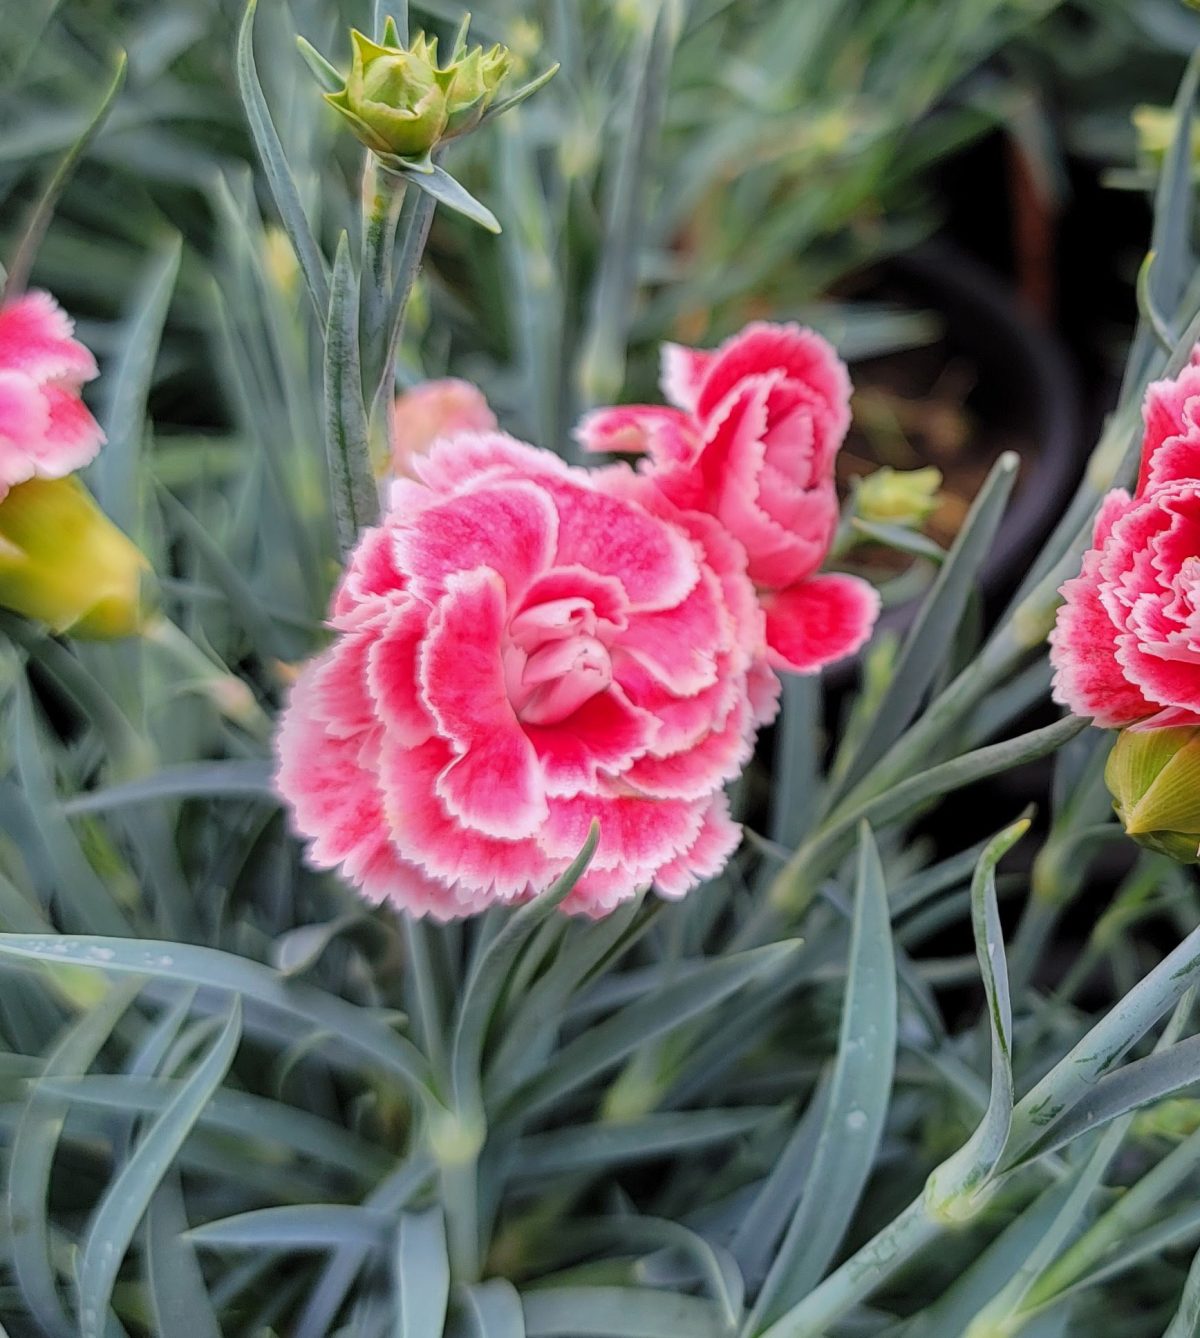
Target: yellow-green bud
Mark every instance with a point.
(477, 77)
(401, 103)
(64, 563)
(1153, 776)
(905, 497)
(394, 99)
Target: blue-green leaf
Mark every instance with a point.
(111, 1228)
(422, 1274)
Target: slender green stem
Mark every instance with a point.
(426, 1005)
(383, 196)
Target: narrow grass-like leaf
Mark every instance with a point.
(929, 639)
(901, 540)
(595, 1148)
(32, 1155)
(234, 1112)
(764, 1222)
(492, 969)
(442, 187)
(115, 1220)
(117, 471)
(1138, 1084)
(83, 900)
(605, 1045)
(949, 1316)
(308, 1226)
(603, 348)
(1185, 1323)
(324, 72)
(525, 91)
(230, 779)
(352, 481)
(35, 227)
(178, 1297)
(1074, 1078)
(619, 1312)
(421, 1274)
(283, 187)
(327, 1297)
(355, 1029)
(795, 881)
(530, 1031)
(492, 1309)
(961, 1176)
(859, 1092)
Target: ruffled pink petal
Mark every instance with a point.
(640, 835)
(428, 835)
(682, 721)
(680, 645)
(1088, 680)
(509, 527)
(653, 561)
(683, 372)
(334, 799)
(36, 338)
(801, 354)
(706, 857)
(339, 693)
(606, 734)
(696, 771)
(1171, 411)
(818, 621)
(392, 673)
(371, 575)
(604, 594)
(764, 687)
(24, 421)
(387, 877)
(73, 436)
(494, 784)
(477, 457)
(667, 436)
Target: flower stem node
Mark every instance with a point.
(456, 1137)
(1153, 776)
(64, 563)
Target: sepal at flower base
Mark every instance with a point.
(64, 563)
(1153, 776)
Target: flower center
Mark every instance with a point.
(554, 661)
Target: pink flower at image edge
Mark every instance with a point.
(522, 647)
(46, 430)
(751, 440)
(1126, 643)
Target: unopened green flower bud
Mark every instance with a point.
(1153, 776)
(395, 98)
(64, 563)
(401, 103)
(905, 497)
(477, 77)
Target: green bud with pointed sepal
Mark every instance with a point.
(1153, 776)
(395, 98)
(477, 79)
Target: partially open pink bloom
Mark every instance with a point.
(432, 411)
(1126, 646)
(45, 429)
(522, 647)
(752, 439)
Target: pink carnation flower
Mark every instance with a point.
(1126, 645)
(522, 647)
(45, 429)
(751, 440)
(433, 410)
